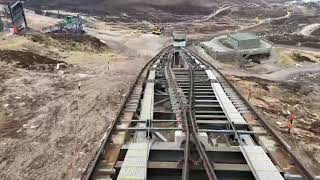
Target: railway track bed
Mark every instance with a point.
(183, 120)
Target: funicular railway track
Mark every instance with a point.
(183, 120)
(190, 127)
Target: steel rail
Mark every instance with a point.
(206, 162)
(86, 175)
(191, 126)
(308, 173)
(188, 119)
(237, 137)
(174, 85)
(185, 173)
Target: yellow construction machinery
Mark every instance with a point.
(157, 31)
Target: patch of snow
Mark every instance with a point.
(307, 30)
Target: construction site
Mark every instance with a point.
(160, 89)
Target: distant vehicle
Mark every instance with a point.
(157, 31)
(71, 24)
(179, 39)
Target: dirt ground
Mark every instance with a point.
(300, 94)
(138, 9)
(296, 40)
(39, 104)
(288, 81)
(278, 87)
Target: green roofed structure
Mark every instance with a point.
(235, 46)
(243, 40)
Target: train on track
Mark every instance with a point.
(182, 119)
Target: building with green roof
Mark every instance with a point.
(243, 40)
(235, 46)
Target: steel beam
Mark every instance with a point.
(230, 132)
(157, 121)
(148, 129)
(172, 146)
(135, 162)
(177, 165)
(210, 116)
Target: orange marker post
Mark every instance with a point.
(291, 118)
(15, 29)
(249, 94)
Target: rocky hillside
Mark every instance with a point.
(112, 7)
